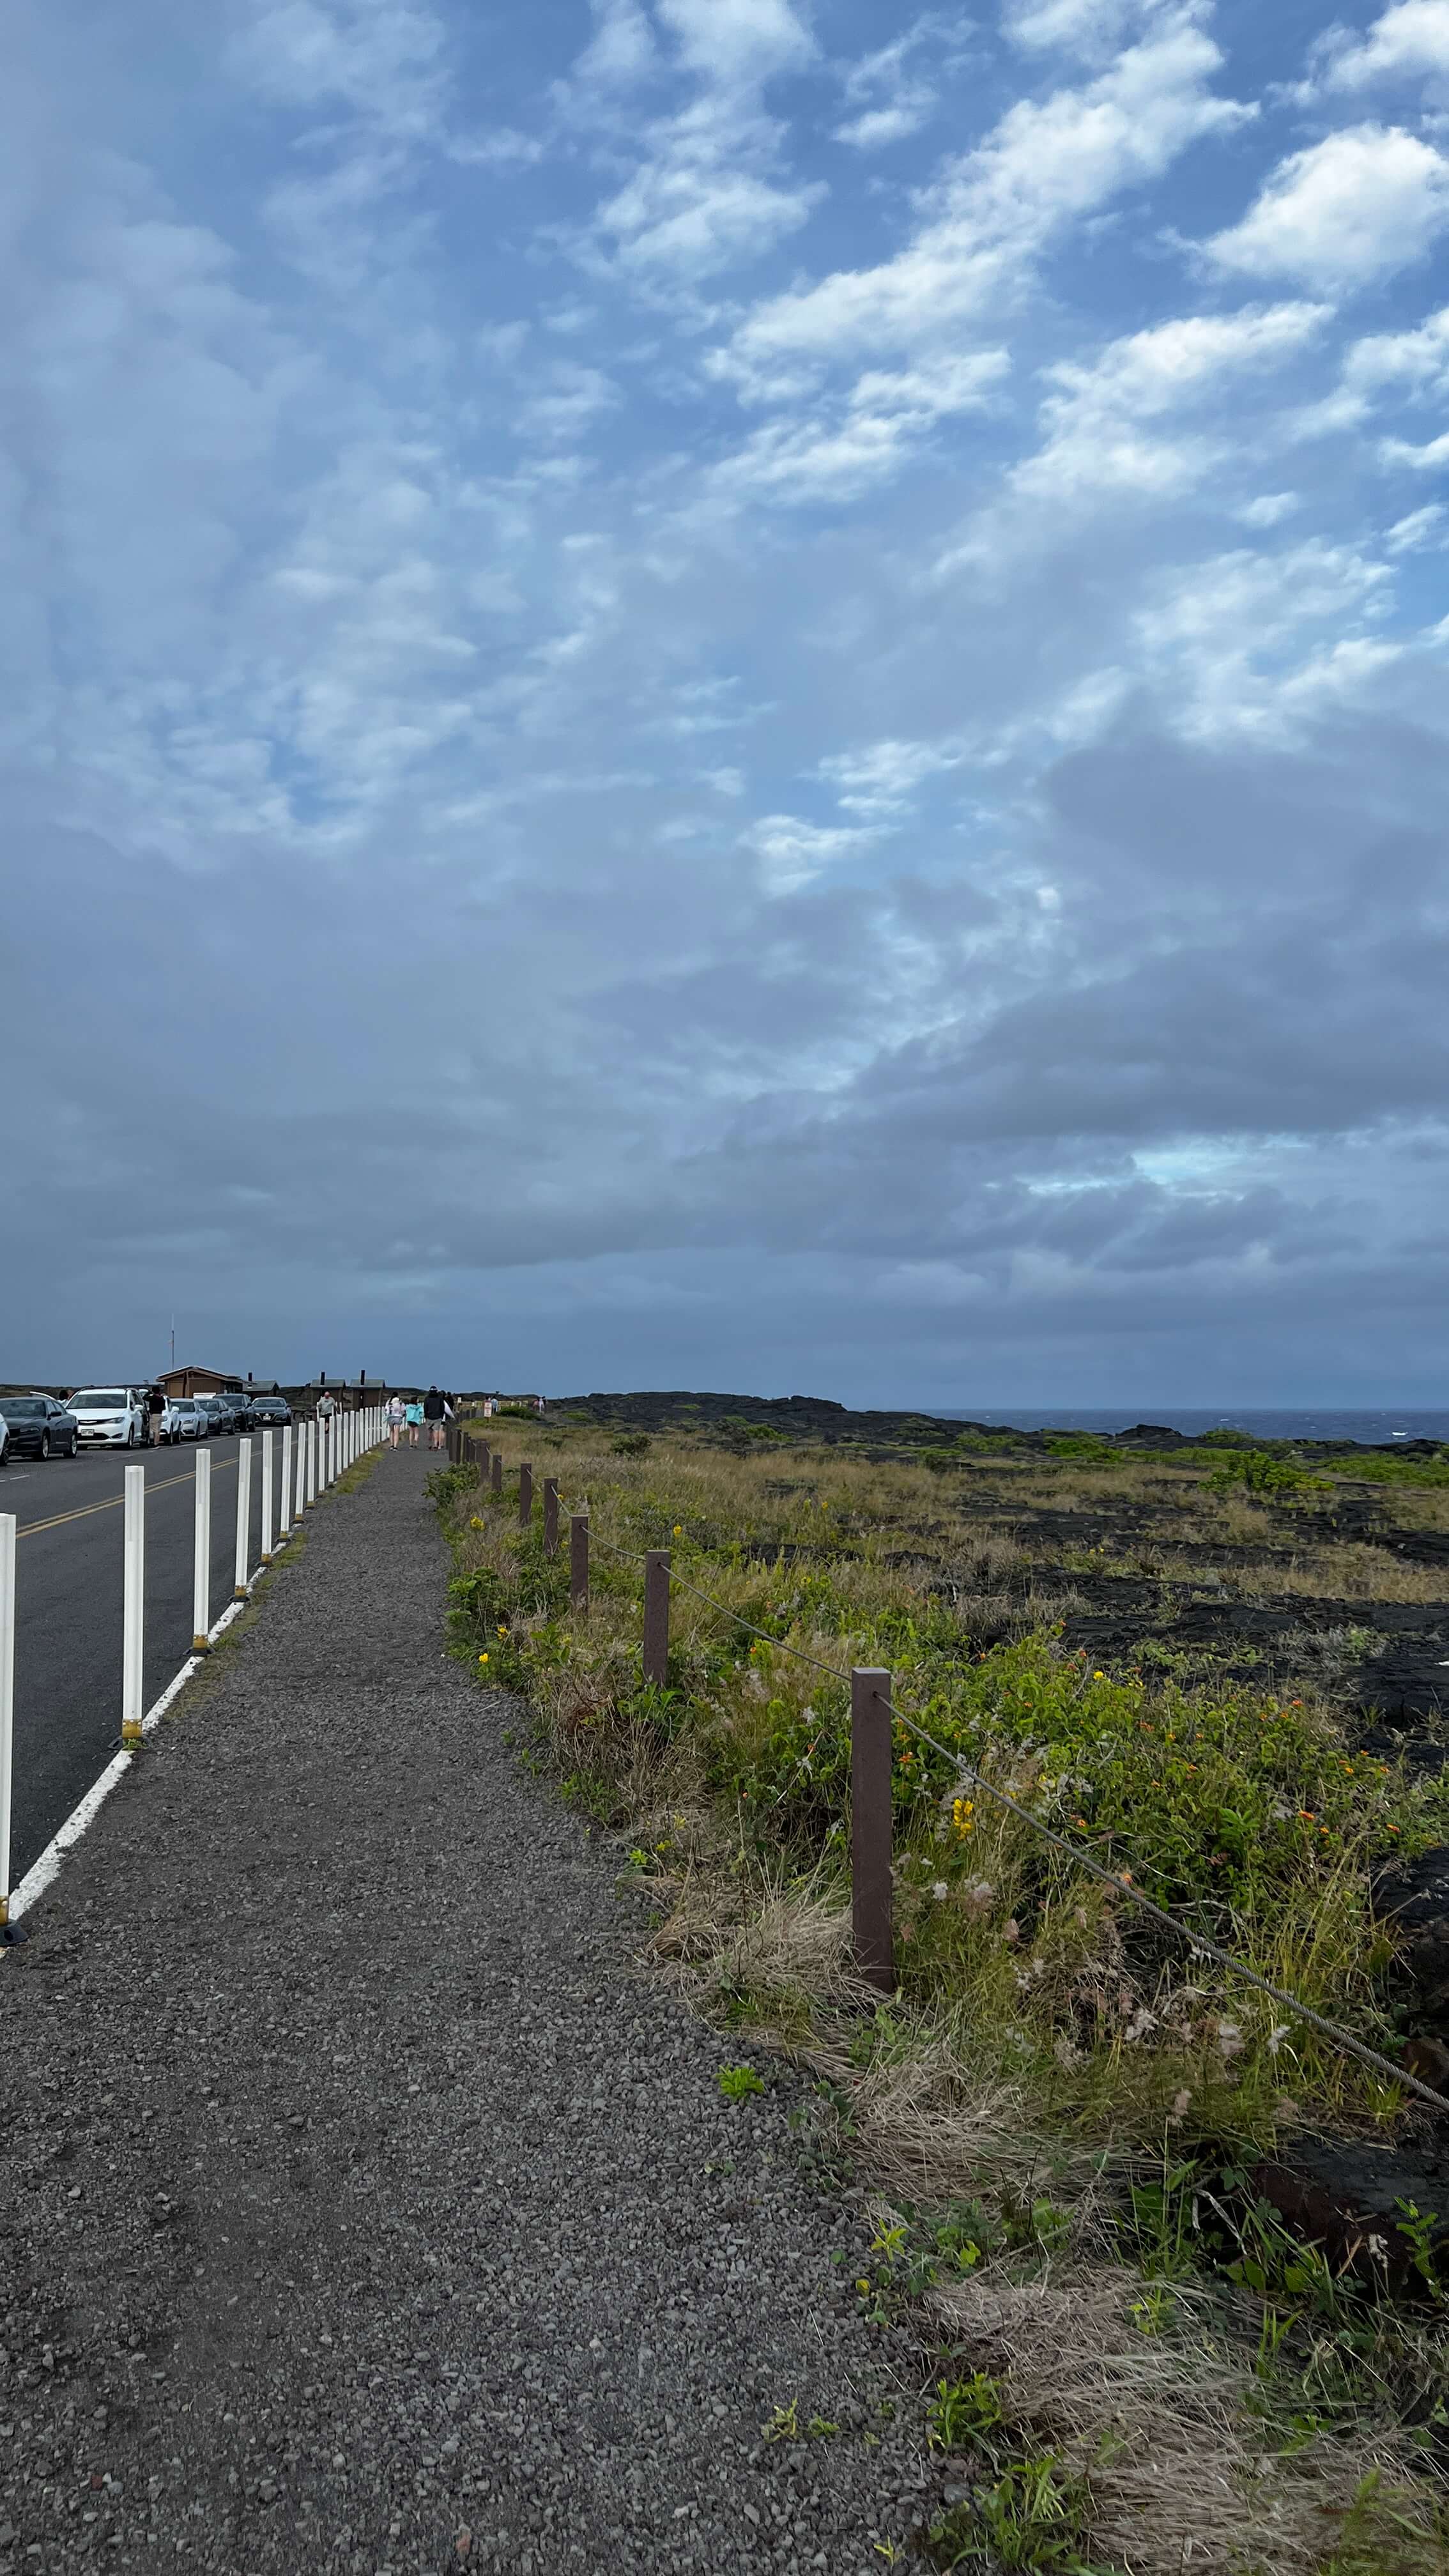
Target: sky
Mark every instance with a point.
(727, 693)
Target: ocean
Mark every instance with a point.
(1403, 1422)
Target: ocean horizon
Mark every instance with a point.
(1372, 1428)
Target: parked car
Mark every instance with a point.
(110, 1417)
(183, 1419)
(4, 1442)
(220, 1416)
(267, 1410)
(39, 1427)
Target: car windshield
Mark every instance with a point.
(100, 1399)
(20, 1408)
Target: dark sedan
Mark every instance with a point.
(227, 1411)
(265, 1410)
(39, 1427)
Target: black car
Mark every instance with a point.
(266, 1410)
(39, 1427)
(231, 1409)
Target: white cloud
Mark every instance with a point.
(565, 403)
(622, 50)
(1426, 459)
(1416, 362)
(836, 451)
(1269, 509)
(1410, 41)
(891, 96)
(697, 208)
(792, 853)
(1097, 414)
(1092, 28)
(706, 192)
(735, 42)
(503, 148)
(1251, 643)
(878, 781)
(1421, 528)
(1410, 365)
(380, 58)
(1350, 209)
(1048, 163)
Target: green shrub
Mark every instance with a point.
(1259, 1472)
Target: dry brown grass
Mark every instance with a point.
(1180, 2477)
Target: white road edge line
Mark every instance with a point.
(44, 1872)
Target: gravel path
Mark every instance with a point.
(363, 2207)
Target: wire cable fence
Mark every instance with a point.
(871, 1831)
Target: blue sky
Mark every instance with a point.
(723, 692)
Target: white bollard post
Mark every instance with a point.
(311, 1445)
(243, 1514)
(285, 1516)
(266, 1498)
(7, 1709)
(201, 1556)
(133, 1605)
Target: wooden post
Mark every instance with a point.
(550, 1516)
(579, 1562)
(497, 1475)
(656, 1616)
(870, 1826)
(525, 1495)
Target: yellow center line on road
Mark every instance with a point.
(113, 1502)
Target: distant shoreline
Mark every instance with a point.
(820, 1418)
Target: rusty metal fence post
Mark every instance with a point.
(870, 1826)
(579, 1562)
(550, 1516)
(525, 1494)
(656, 1616)
(496, 1478)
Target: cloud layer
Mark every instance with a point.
(693, 697)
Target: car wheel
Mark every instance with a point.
(45, 1444)
(74, 1444)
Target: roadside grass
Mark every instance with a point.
(1047, 2043)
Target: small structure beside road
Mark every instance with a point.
(192, 1380)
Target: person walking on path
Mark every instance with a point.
(397, 1414)
(415, 1421)
(439, 2245)
(434, 1410)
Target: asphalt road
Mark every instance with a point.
(68, 1607)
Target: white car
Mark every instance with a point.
(184, 1419)
(110, 1417)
